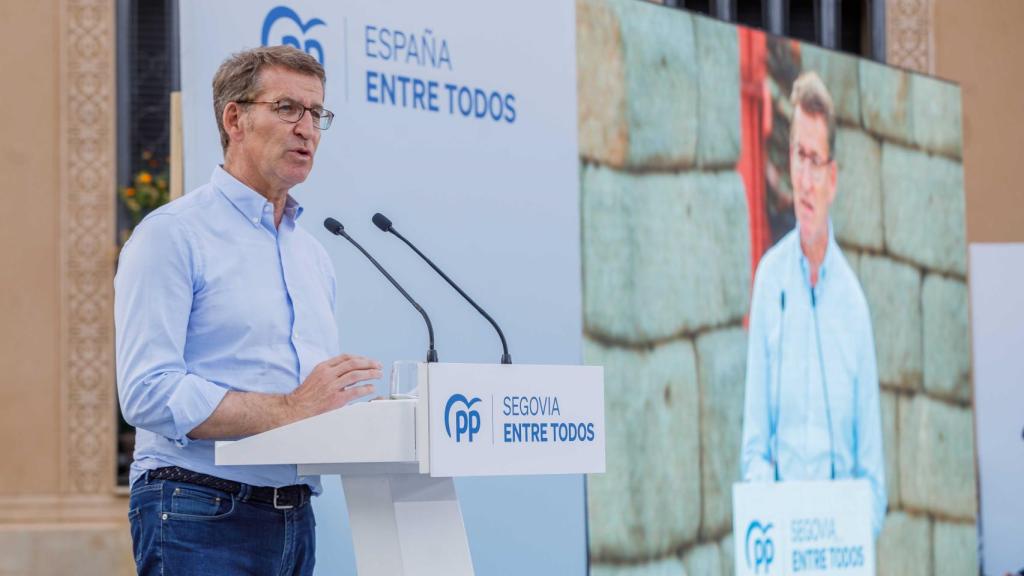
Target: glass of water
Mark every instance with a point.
(404, 381)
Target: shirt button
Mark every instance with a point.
(255, 220)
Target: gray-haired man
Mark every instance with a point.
(812, 409)
(224, 313)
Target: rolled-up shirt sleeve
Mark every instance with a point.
(158, 272)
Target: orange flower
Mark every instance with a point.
(129, 191)
(145, 177)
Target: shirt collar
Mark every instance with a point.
(292, 208)
(250, 203)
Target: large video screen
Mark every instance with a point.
(775, 280)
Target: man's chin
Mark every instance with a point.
(298, 175)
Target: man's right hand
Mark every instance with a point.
(332, 384)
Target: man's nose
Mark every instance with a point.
(304, 127)
(803, 177)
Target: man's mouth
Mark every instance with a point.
(302, 152)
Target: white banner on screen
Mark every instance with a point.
(997, 325)
(785, 528)
(458, 121)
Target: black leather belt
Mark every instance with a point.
(281, 498)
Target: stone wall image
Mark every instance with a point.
(666, 285)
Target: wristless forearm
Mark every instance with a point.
(242, 414)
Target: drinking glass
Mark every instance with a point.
(404, 381)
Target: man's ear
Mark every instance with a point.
(233, 118)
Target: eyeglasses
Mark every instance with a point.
(292, 112)
(811, 162)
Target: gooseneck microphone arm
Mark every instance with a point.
(382, 222)
(774, 422)
(824, 386)
(335, 227)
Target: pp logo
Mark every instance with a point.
(287, 28)
(467, 420)
(759, 547)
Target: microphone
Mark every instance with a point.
(774, 422)
(335, 227)
(824, 385)
(382, 222)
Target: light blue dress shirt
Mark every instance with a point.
(210, 297)
(787, 409)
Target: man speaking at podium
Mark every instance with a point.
(811, 410)
(224, 316)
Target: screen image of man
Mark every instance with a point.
(225, 327)
(811, 408)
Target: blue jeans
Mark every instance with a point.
(189, 530)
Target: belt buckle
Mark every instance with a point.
(278, 506)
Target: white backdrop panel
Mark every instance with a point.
(494, 202)
(997, 325)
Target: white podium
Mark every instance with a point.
(803, 528)
(397, 458)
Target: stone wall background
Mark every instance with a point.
(666, 284)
